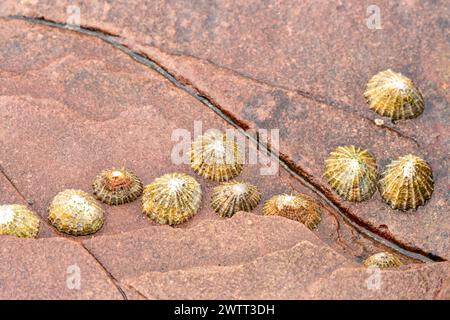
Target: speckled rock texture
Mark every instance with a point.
(72, 105)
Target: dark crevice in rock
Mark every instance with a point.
(304, 177)
(110, 276)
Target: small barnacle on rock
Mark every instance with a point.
(172, 198)
(231, 197)
(407, 182)
(383, 260)
(17, 220)
(215, 156)
(298, 207)
(352, 173)
(117, 186)
(393, 95)
(75, 212)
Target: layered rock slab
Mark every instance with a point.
(279, 69)
(240, 239)
(283, 274)
(422, 281)
(51, 269)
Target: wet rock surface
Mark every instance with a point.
(86, 106)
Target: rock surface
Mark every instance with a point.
(242, 238)
(85, 106)
(49, 269)
(284, 274)
(415, 282)
(270, 67)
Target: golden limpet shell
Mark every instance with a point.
(117, 186)
(352, 173)
(231, 197)
(298, 207)
(214, 156)
(172, 198)
(393, 95)
(75, 212)
(406, 183)
(17, 220)
(383, 260)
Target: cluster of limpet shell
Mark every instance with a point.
(352, 173)
(231, 197)
(383, 260)
(406, 183)
(393, 95)
(117, 186)
(17, 220)
(215, 156)
(76, 213)
(298, 207)
(172, 198)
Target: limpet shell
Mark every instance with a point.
(407, 182)
(383, 260)
(75, 212)
(231, 197)
(393, 95)
(298, 207)
(172, 198)
(352, 173)
(17, 220)
(214, 156)
(117, 186)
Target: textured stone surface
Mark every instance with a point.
(287, 64)
(239, 239)
(42, 269)
(98, 109)
(422, 281)
(85, 106)
(281, 275)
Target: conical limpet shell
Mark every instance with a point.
(352, 173)
(231, 197)
(117, 186)
(172, 198)
(383, 260)
(214, 156)
(393, 95)
(75, 212)
(407, 182)
(17, 220)
(297, 207)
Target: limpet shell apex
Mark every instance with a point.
(117, 186)
(407, 182)
(298, 207)
(17, 220)
(393, 95)
(383, 260)
(172, 198)
(352, 173)
(215, 156)
(231, 197)
(75, 212)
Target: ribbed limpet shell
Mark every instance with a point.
(117, 186)
(214, 156)
(352, 173)
(75, 212)
(407, 182)
(383, 260)
(298, 207)
(393, 95)
(231, 197)
(17, 220)
(172, 198)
